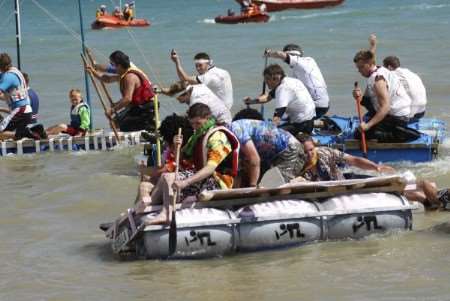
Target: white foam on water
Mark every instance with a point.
(208, 21)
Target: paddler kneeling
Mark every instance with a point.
(134, 111)
(214, 151)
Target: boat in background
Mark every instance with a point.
(115, 22)
(96, 141)
(260, 17)
(277, 5)
(338, 132)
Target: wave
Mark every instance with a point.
(422, 6)
(316, 15)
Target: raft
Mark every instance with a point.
(249, 219)
(243, 18)
(114, 22)
(96, 141)
(277, 5)
(338, 132)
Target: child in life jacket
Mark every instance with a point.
(80, 119)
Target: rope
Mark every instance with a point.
(9, 16)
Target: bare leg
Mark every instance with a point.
(426, 192)
(56, 129)
(163, 192)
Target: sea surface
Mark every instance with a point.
(51, 204)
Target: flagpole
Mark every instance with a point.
(18, 32)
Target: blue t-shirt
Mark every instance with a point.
(268, 139)
(8, 81)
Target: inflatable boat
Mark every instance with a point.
(98, 140)
(243, 18)
(114, 22)
(338, 132)
(249, 219)
(277, 5)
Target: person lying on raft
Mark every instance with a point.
(214, 151)
(324, 164)
(263, 146)
(151, 175)
(200, 93)
(294, 108)
(80, 119)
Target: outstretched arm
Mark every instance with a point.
(366, 164)
(373, 43)
(275, 54)
(180, 71)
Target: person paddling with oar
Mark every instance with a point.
(134, 111)
(214, 151)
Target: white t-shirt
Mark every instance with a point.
(219, 81)
(399, 99)
(415, 89)
(307, 70)
(202, 94)
(292, 94)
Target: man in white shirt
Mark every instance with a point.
(412, 84)
(410, 81)
(306, 70)
(200, 93)
(391, 103)
(294, 108)
(216, 79)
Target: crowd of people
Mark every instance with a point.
(219, 152)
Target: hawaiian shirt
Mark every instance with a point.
(268, 139)
(328, 164)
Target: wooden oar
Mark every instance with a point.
(173, 222)
(102, 84)
(111, 122)
(363, 134)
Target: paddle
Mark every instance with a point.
(111, 123)
(173, 222)
(363, 134)
(102, 84)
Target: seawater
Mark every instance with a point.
(52, 203)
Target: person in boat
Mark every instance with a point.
(80, 117)
(34, 99)
(216, 79)
(263, 8)
(264, 146)
(101, 11)
(200, 93)
(117, 13)
(230, 12)
(411, 82)
(13, 91)
(150, 175)
(306, 70)
(391, 104)
(214, 151)
(325, 164)
(294, 108)
(134, 111)
(127, 12)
